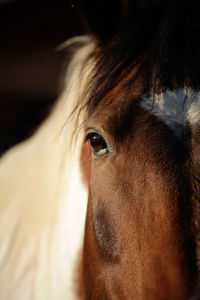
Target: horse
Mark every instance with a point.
(103, 201)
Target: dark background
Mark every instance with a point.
(30, 66)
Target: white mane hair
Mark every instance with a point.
(43, 199)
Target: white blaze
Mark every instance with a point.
(175, 108)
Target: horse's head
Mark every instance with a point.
(141, 238)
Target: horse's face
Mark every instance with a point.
(139, 237)
(138, 241)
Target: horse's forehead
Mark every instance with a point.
(178, 109)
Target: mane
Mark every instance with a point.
(41, 188)
(161, 42)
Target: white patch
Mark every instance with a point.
(176, 108)
(43, 199)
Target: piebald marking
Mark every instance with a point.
(176, 109)
(43, 200)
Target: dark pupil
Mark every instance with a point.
(97, 142)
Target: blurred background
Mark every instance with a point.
(30, 66)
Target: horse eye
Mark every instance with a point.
(98, 144)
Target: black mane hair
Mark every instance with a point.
(162, 40)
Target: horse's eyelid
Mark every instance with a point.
(90, 133)
(103, 152)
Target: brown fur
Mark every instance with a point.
(138, 242)
(142, 227)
